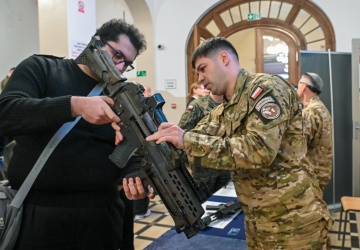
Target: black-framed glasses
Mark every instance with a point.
(120, 58)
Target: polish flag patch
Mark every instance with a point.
(256, 93)
(190, 107)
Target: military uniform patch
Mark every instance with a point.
(190, 107)
(267, 108)
(270, 111)
(256, 93)
(263, 101)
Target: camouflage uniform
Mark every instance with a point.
(190, 100)
(209, 180)
(258, 134)
(319, 139)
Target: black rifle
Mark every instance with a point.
(222, 210)
(162, 167)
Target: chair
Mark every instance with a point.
(348, 204)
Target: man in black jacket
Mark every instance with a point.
(74, 202)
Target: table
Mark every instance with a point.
(232, 236)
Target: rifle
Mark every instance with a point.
(222, 210)
(162, 167)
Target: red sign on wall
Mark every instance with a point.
(81, 6)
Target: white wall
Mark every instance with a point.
(173, 21)
(53, 41)
(107, 9)
(345, 18)
(19, 33)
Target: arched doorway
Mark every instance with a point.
(277, 53)
(299, 23)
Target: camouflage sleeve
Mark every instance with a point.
(313, 126)
(224, 143)
(191, 117)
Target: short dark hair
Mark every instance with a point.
(212, 45)
(316, 83)
(111, 30)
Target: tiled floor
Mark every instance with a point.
(152, 227)
(351, 242)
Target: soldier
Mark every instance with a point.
(318, 127)
(209, 180)
(257, 133)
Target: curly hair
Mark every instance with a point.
(111, 30)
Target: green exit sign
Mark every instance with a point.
(141, 73)
(253, 16)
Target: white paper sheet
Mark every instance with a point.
(228, 191)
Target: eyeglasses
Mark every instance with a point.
(120, 58)
(307, 85)
(294, 86)
(311, 87)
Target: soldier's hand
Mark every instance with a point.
(169, 132)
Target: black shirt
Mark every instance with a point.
(33, 107)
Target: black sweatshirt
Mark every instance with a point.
(33, 106)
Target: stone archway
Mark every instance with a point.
(302, 20)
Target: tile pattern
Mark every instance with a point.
(352, 241)
(152, 227)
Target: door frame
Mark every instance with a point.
(355, 71)
(213, 17)
(294, 69)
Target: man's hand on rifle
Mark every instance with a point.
(118, 136)
(95, 109)
(168, 132)
(135, 190)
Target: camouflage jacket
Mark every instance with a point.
(259, 135)
(195, 111)
(319, 139)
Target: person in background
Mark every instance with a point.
(318, 127)
(257, 132)
(74, 202)
(209, 180)
(6, 79)
(196, 90)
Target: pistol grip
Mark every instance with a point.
(127, 147)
